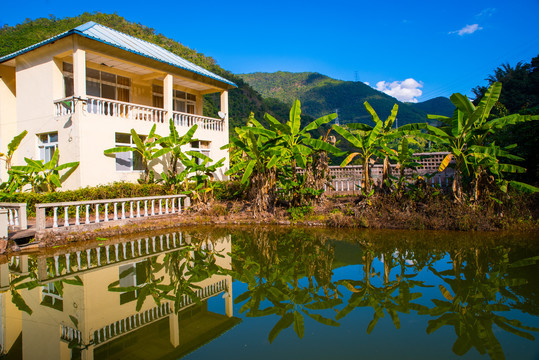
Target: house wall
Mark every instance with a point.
(81, 136)
(8, 112)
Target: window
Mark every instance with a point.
(128, 161)
(47, 144)
(202, 147)
(132, 275)
(100, 84)
(182, 101)
(51, 297)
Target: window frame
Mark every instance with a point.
(178, 96)
(48, 144)
(67, 70)
(133, 153)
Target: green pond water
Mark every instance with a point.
(275, 293)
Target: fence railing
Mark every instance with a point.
(81, 261)
(135, 321)
(349, 185)
(17, 216)
(107, 107)
(112, 209)
(188, 120)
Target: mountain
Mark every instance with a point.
(242, 100)
(438, 106)
(321, 95)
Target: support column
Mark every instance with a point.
(4, 275)
(174, 327)
(79, 71)
(200, 105)
(224, 107)
(168, 96)
(88, 353)
(229, 303)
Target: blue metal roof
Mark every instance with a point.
(126, 42)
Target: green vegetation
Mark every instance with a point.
(368, 140)
(269, 160)
(243, 100)
(320, 94)
(40, 176)
(520, 95)
(466, 137)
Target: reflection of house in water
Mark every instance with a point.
(72, 305)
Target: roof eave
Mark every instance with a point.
(227, 85)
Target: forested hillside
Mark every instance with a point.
(320, 94)
(242, 100)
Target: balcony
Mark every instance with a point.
(118, 109)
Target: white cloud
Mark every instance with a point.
(468, 29)
(406, 91)
(367, 83)
(488, 12)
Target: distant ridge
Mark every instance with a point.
(321, 95)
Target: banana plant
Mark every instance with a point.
(259, 161)
(465, 136)
(44, 176)
(172, 144)
(147, 149)
(367, 140)
(201, 169)
(11, 148)
(296, 150)
(404, 156)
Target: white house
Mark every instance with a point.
(82, 92)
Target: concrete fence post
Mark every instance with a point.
(3, 224)
(23, 216)
(40, 218)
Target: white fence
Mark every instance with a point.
(112, 209)
(17, 217)
(107, 107)
(188, 120)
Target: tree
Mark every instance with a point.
(40, 175)
(172, 145)
(520, 95)
(147, 149)
(367, 140)
(466, 137)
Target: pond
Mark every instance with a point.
(267, 293)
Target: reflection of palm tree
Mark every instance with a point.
(273, 266)
(31, 281)
(479, 284)
(382, 299)
(186, 267)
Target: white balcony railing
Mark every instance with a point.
(113, 108)
(188, 120)
(99, 106)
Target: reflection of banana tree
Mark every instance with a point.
(277, 289)
(185, 267)
(31, 281)
(476, 293)
(391, 298)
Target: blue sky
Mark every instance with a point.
(441, 47)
